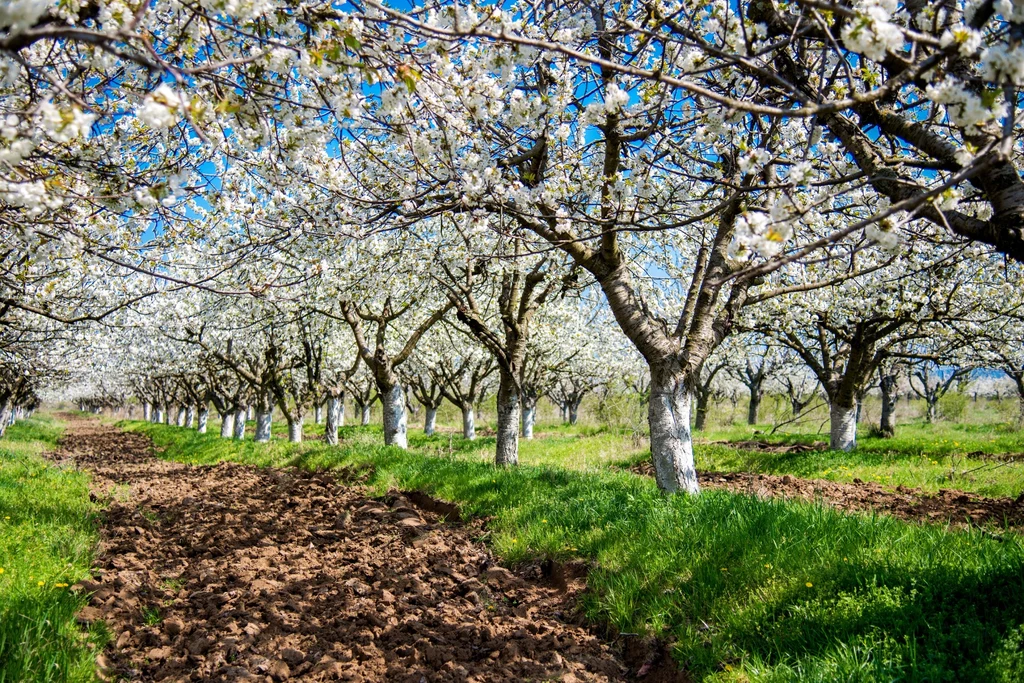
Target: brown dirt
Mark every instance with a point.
(231, 572)
(768, 447)
(947, 506)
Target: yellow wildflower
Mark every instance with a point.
(809, 584)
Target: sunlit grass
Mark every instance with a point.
(47, 535)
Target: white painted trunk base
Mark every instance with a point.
(507, 451)
(190, 416)
(395, 426)
(334, 412)
(843, 428)
(529, 420)
(263, 423)
(204, 419)
(295, 431)
(671, 441)
(227, 425)
(365, 419)
(240, 423)
(468, 423)
(430, 421)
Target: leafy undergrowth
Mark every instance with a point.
(47, 535)
(745, 589)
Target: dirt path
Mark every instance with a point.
(238, 573)
(947, 506)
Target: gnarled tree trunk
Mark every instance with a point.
(468, 423)
(240, 421)
(334, 414)
(295, 430)
(843, 427)
(887, 423)
(264, 422)
(430, 420)
(395, 426)
(529, 416)
(227, 425)
(204, 418)
(508, 422)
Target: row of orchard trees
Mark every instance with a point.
(836, 178)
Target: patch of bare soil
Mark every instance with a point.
(768, 447)
(238, 573)
(949, 506)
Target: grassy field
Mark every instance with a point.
(47, 535)
(745, 589)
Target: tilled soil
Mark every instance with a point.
(233, 573)
(947, 506)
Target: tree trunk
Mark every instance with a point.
(671, 441)
(430, 420)
(264, 421)
(564, 407)
(204, 418)
(797, 405)
(529, 417)
(5, 415)
(250, 414)
(507, 453)
(341, 410)
(753, 407)
(365, 415)
(190, 416)
(158, 415)
(395, 427)
(701, 420)
(843, 427)
(574, 411)
(147, 411)
(295, 430)
(318, 413)
(931, 411)
(860, 407)
(334, 408)
(469, 423)
(240, 421)
(887, 424)
(227, 425)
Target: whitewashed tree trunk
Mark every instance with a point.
(179, 419)
(843, 427)
(204, 418)
(668, 414)
(158, 414)
(5, 417)
(395, 426)
(429, 420)
(250, 413)
(565, 412)
(335, 407)
(365, 420)
(264, 421)
(529, 418)
(341, 411)
(318, 413)
(507, 453)
(147, 411)
(227, 425)
(190, 416)
(240, 423)
(468, 423)
(295, 430)
(574, 412)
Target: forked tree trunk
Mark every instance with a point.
(204, 418)
(395, 426)
(430, 420)
(468, 423)
(295, 430)
(264, 422)
(671, 440)
(334, 408)
(508, 422)
(240, 415)
(887, 423)
(843, 427)
(227, 425)
(529, 417)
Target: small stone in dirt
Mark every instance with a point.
(787, 479)
(173, 627)
(387, 597)
(280, 671)
(87, 615)
(159, 653)
(292, 656)
(500, 575)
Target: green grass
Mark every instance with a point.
(47, 535)
(744, 589)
